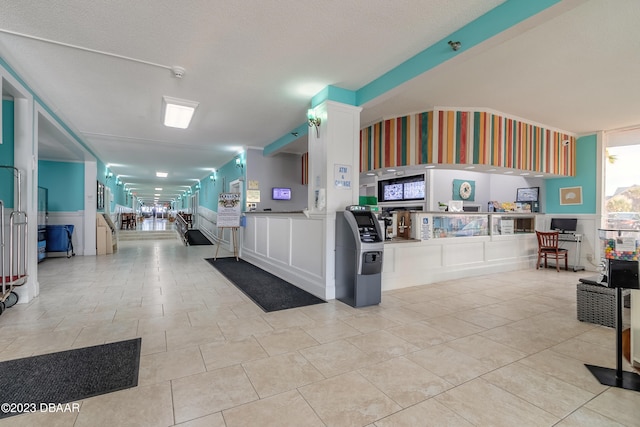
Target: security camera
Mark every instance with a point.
(565, 143)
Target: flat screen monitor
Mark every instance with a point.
(401, 189)
(529, 194)
(413, 190)
(564, 225)
(280, 193)
(392, 192)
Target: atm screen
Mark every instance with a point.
(364, 220)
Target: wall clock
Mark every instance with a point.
(464, 189)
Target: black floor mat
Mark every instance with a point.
(67, 376)
(268, 291)
(195, 237)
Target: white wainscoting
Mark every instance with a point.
(291, 246)
(77, 238)
(414, 263)
(206, 222)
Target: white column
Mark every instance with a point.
(25, 159)
(334, 171)
(90, 207)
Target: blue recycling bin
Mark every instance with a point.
(59, 238)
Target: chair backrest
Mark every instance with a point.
(547, 239)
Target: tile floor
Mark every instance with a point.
(500, 350)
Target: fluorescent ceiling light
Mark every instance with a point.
(177, 113)
(429, 167)
(470, 167)
(162, 174)
(158, 189)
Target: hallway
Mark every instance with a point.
(498, 350)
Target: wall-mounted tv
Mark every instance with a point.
(529, 194)
(280, 193)
(401, 189)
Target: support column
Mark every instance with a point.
(334, 170)
(25, 159)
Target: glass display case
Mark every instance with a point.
(508, 223)
(460, 225)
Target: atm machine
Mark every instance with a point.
(359, 250)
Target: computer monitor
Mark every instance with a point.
(564, 225)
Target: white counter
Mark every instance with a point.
(415, 262)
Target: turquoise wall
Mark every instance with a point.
(210, 190)
(65, 182)
(6, 155)
(586, 167)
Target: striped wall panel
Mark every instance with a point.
(466, 137)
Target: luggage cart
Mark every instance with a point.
(13, 249)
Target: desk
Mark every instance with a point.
(577, 240)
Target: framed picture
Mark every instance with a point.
(571, 196)
(100, 196)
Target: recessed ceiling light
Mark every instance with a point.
(177, 113)
(162, 174)
(470, 167)
(429, 167)
(508, 172)
(158, 189)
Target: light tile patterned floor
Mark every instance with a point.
(500, 350)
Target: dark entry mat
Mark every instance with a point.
(195, 237)
(29, 383)
(271, 293)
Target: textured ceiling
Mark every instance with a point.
(254, 65)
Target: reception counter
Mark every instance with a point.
(300, 248)
(446, 246)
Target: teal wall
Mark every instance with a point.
(586, 167)
(210, 190)
(6, 155)
(65, 182)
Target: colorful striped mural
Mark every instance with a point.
(466, 137)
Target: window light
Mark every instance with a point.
(177, 113)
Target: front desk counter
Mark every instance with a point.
(447, 245)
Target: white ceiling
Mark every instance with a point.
(254, 65)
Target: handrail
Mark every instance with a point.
(182, 226)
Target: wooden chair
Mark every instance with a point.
(548, 247)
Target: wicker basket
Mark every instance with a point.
(597, 304)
